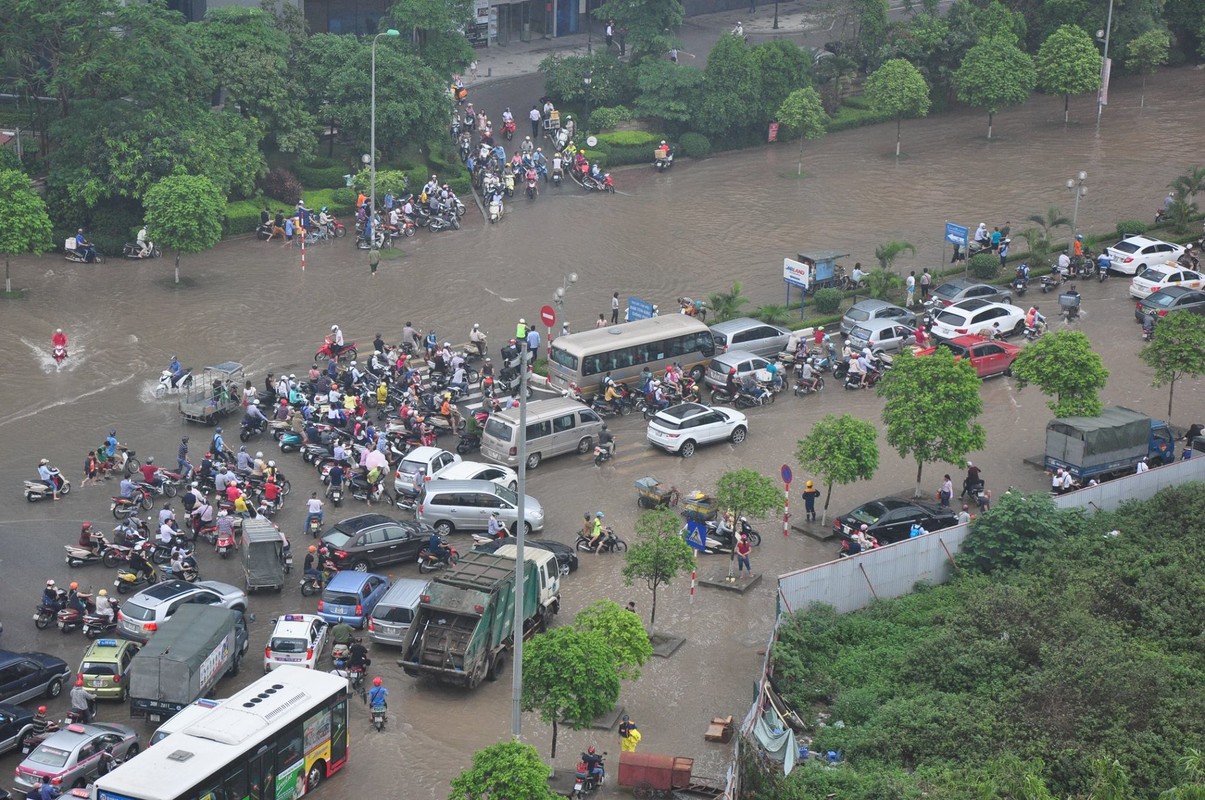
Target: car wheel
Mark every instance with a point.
(584, 446)
(54, 688)
(360, 565)
(687, 449)
(533, 460)
(564, 568)
(314, 777)
(1019, 328)
(1008, 371)
(697, 374)
(131, 752)
(739, 434)
(514, 529)
(444, 528)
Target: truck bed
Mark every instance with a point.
(443, 641)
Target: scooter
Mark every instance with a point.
(69, 620)
(336, 496)
(86, 256)
(128, 581)
(108, 554)
(134, 250)
(815, 384)
(429, 562)
(44, 614)
(248, 430)
(290, 441)
(36, 490)
(585, 781)
(1020, 283)
(743, 400)
(97, 625)
(508, 129)
(361, 490)
(189, 573)
(611, 543)
(378, 716)
(496, 209)
(720, 539)
(602, 454)
(60, 354)
(165, 387)
(720, 394)
(224, 544)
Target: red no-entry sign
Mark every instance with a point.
(548, 316)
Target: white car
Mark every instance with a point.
(297, 640)
(1133, 254)
(1152, 279)
(975, 316)
(682, 428)
(479, 471)
(421, 464)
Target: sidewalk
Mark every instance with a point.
(810, 28)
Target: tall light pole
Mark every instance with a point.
(1076, 185)
(588, 80)
(372, 136)
(1102, 93)
(558, 298)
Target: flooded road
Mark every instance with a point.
(692, 231)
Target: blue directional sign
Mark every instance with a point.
(639, 309)
(696, 534)
(957, 234)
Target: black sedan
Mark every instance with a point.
(890, 519)
(371, 541)
(16, 723)
(566, 558)
(1173, 298)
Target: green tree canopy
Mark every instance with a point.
(649, 23)
(996, 19)
(746, 492)
(184, 212)
(897, 88)
(1016, 526)
(435, 28)
(659, 553)
(27, 226)
(994, 74)
(666, 90)
(840, 449)
(512, 770)
(873, 24)
(731, 87)
(888, 252)
(1176, 351)
(1146, 53)
(1064, 365)
(932, 404)
(802, 114)
(1068, 63)
(623, 631)
(569, 677)
(612, 82)
(783, 67)
(322, 57)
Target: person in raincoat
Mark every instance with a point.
(629, 736)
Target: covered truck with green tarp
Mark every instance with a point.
(1106, 446)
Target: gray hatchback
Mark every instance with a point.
(868, 310)
(881, 335)
(959, 289)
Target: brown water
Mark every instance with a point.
(691, 231)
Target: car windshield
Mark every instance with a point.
(858, 314)
(98, 668)
(412, 467)
(868, 513)
(950, 318)
(1126, 247)
(956, 349)
(49, 756)
(948, 290)
(135, 611)
(396, 614)
(860, 333)
(507, 495)
(498, 429)
(285, 644)
(667, 422)
(1153, 275)
(336, 538)
(339, 599)
(1163, 299)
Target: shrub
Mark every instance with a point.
(828, 301)
(114, 222)
(629, 147)
(337, 201)
(599, 156)
(242, 216)
(985, 266)
(695, 145)
(9, 160)
(343, 198)
(282, 184)
(388, 180)
(321, 175)
(603, 118)
(1131, 227)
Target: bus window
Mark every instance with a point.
(564, 359)
(591, 366)
(236, 782)
(642, 354)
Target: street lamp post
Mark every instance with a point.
(588, 80)
(1076, 185)
(1102, 93)
(558, 298)
(775, 14)
(372, 136)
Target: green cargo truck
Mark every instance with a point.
(463, 629)
(1107, 446)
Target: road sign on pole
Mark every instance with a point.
(548, 316)
(787, 475)
(696, 534)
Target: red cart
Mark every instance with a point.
(651, 775)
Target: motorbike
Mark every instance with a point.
(97, 625)
(44, 613)
(370, 493)
(1020, 283)
(532, 189)
(610, 544)
(496, 209)
(87, 256)
(165, 386)
(721, 395)
(36, 490)
(809, 386)
(620, 406)
(290, 441)
(348, 353)
(134, 250)
(558, 175)
(223, 544)
(336, 496)
(592, 184)
(110, 555)
(69, 620)
(189, 572)
(743, 400)
(663, 162)
(378, 716)
(719, 537)
(602, 455)
(60, 353)
(430, 562)
(1053, 280)
(867, 382)
(311, 585)
(255, 427)
(468, 442)
(443, 221)
(584, 781)
(1032, 332)
(508, 129)
(128, 581)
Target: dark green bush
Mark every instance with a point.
(604, 118)
(321, 176)
(828, 301)
(282, 184)
(9, 160)
(629, 147)
(985, 266)
(1131, 227)
(344, 198)
(694, 145)
(114, 222)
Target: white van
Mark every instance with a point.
(392, 617)
(554, 427)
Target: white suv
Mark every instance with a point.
(681, 428)
(1133, 254)
(421, 464)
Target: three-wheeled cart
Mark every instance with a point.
(217, 393)
(823, 264)
(651, 775)
(263, 549)
(700, 507)
(654, 494)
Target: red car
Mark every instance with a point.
(989, 357)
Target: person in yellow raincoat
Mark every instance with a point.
(629, 736)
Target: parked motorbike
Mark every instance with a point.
(36, 490)
(610, 544)
(134, 250)
(430, 562)
(128, 581)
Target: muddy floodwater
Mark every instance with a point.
(691, 231)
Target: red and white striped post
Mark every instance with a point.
(693, 571)
(786, 505)
(303, 249)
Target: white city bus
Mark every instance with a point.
(278, 738)
(625, 350)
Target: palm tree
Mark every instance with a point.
(725, 305)
(1182, 209)
(880, 283)
(887, 253)
(1192, 182)
(1036, 241)
(1054, 219)
(775, 315)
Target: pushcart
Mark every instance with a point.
(1069, 304)
(699, 506)
(263, 550)
(214, 395)
(651, 775)
(654, 494)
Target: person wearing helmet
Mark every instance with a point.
(378, 695)
(47, 476)
(335, 340)
(1078, 245)
(59, 339)
(42, 725)
(810, 493)
(150, 474)
(254, 419)
(104, 606)
(597, 536)
(218, 445)
(593, 762)
(82, 701)
(309, 567)
(606, 440)
(90, 538)
(51, 596)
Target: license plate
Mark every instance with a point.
(112, 506)
(287, 658)
(154, 717)
(98, 682)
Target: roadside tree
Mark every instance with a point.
(666, 90)
(569, 678)
(932, 405)
(1054, 218)
(840, 450)
(436, 29)
(1064, 365)
(802, 113)
(726, 305)
(1015, 526)
(184, 212)
(1068, 63)
(649, 23)
(1147, 52)
(746, 492)
(1176, 351)
(783, 67)
(513, 770)
(995, 74)
(27, 227)
(888, 252)
(731, 100)
(659, 555)
(623, 631)
(897, 88)
(412, 99)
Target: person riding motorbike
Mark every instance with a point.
(42, 724)
(335, 478)
(357, 656)
(597, 533)
(104, 606)
(51, 597)
(972, 480)
(437, 548)
(606, 440)
(496, 529)
(731, 385)
(91, 539)
(1023, 274)
(656, 397)
(594, 763)
(807, 376)
(612, 396)
(82, 701)
(750, 387)
(150, 473)
(477, 339)
(46, 476)
(59, 339)
(336, 340)
(144, 243)
(83, 247)
(378, 695)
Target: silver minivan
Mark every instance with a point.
(881, 335)
(750, 335)
(392, 617)
(449, 506)
(554, 427)
(872, 309)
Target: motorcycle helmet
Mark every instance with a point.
(41, 709)
(73, 586)
(46, 461)
(222, 513)
(103, 592)
(522, 321)
(58, 330)
(242, 449)
(591, 749)
(150, 459)
(313, 549)
(259, 453)
(87, 526)
(272, 464)
(354, 362)
(663, 142)
(79, 680)
(604, 426)
(476, 326)
(864, 527)
(376, 681)
(598, 514)
(323, 209)
(217, 429)
(49, 584)
(447, 344)
(1079, 236)
(184, 440)
(334, 328)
